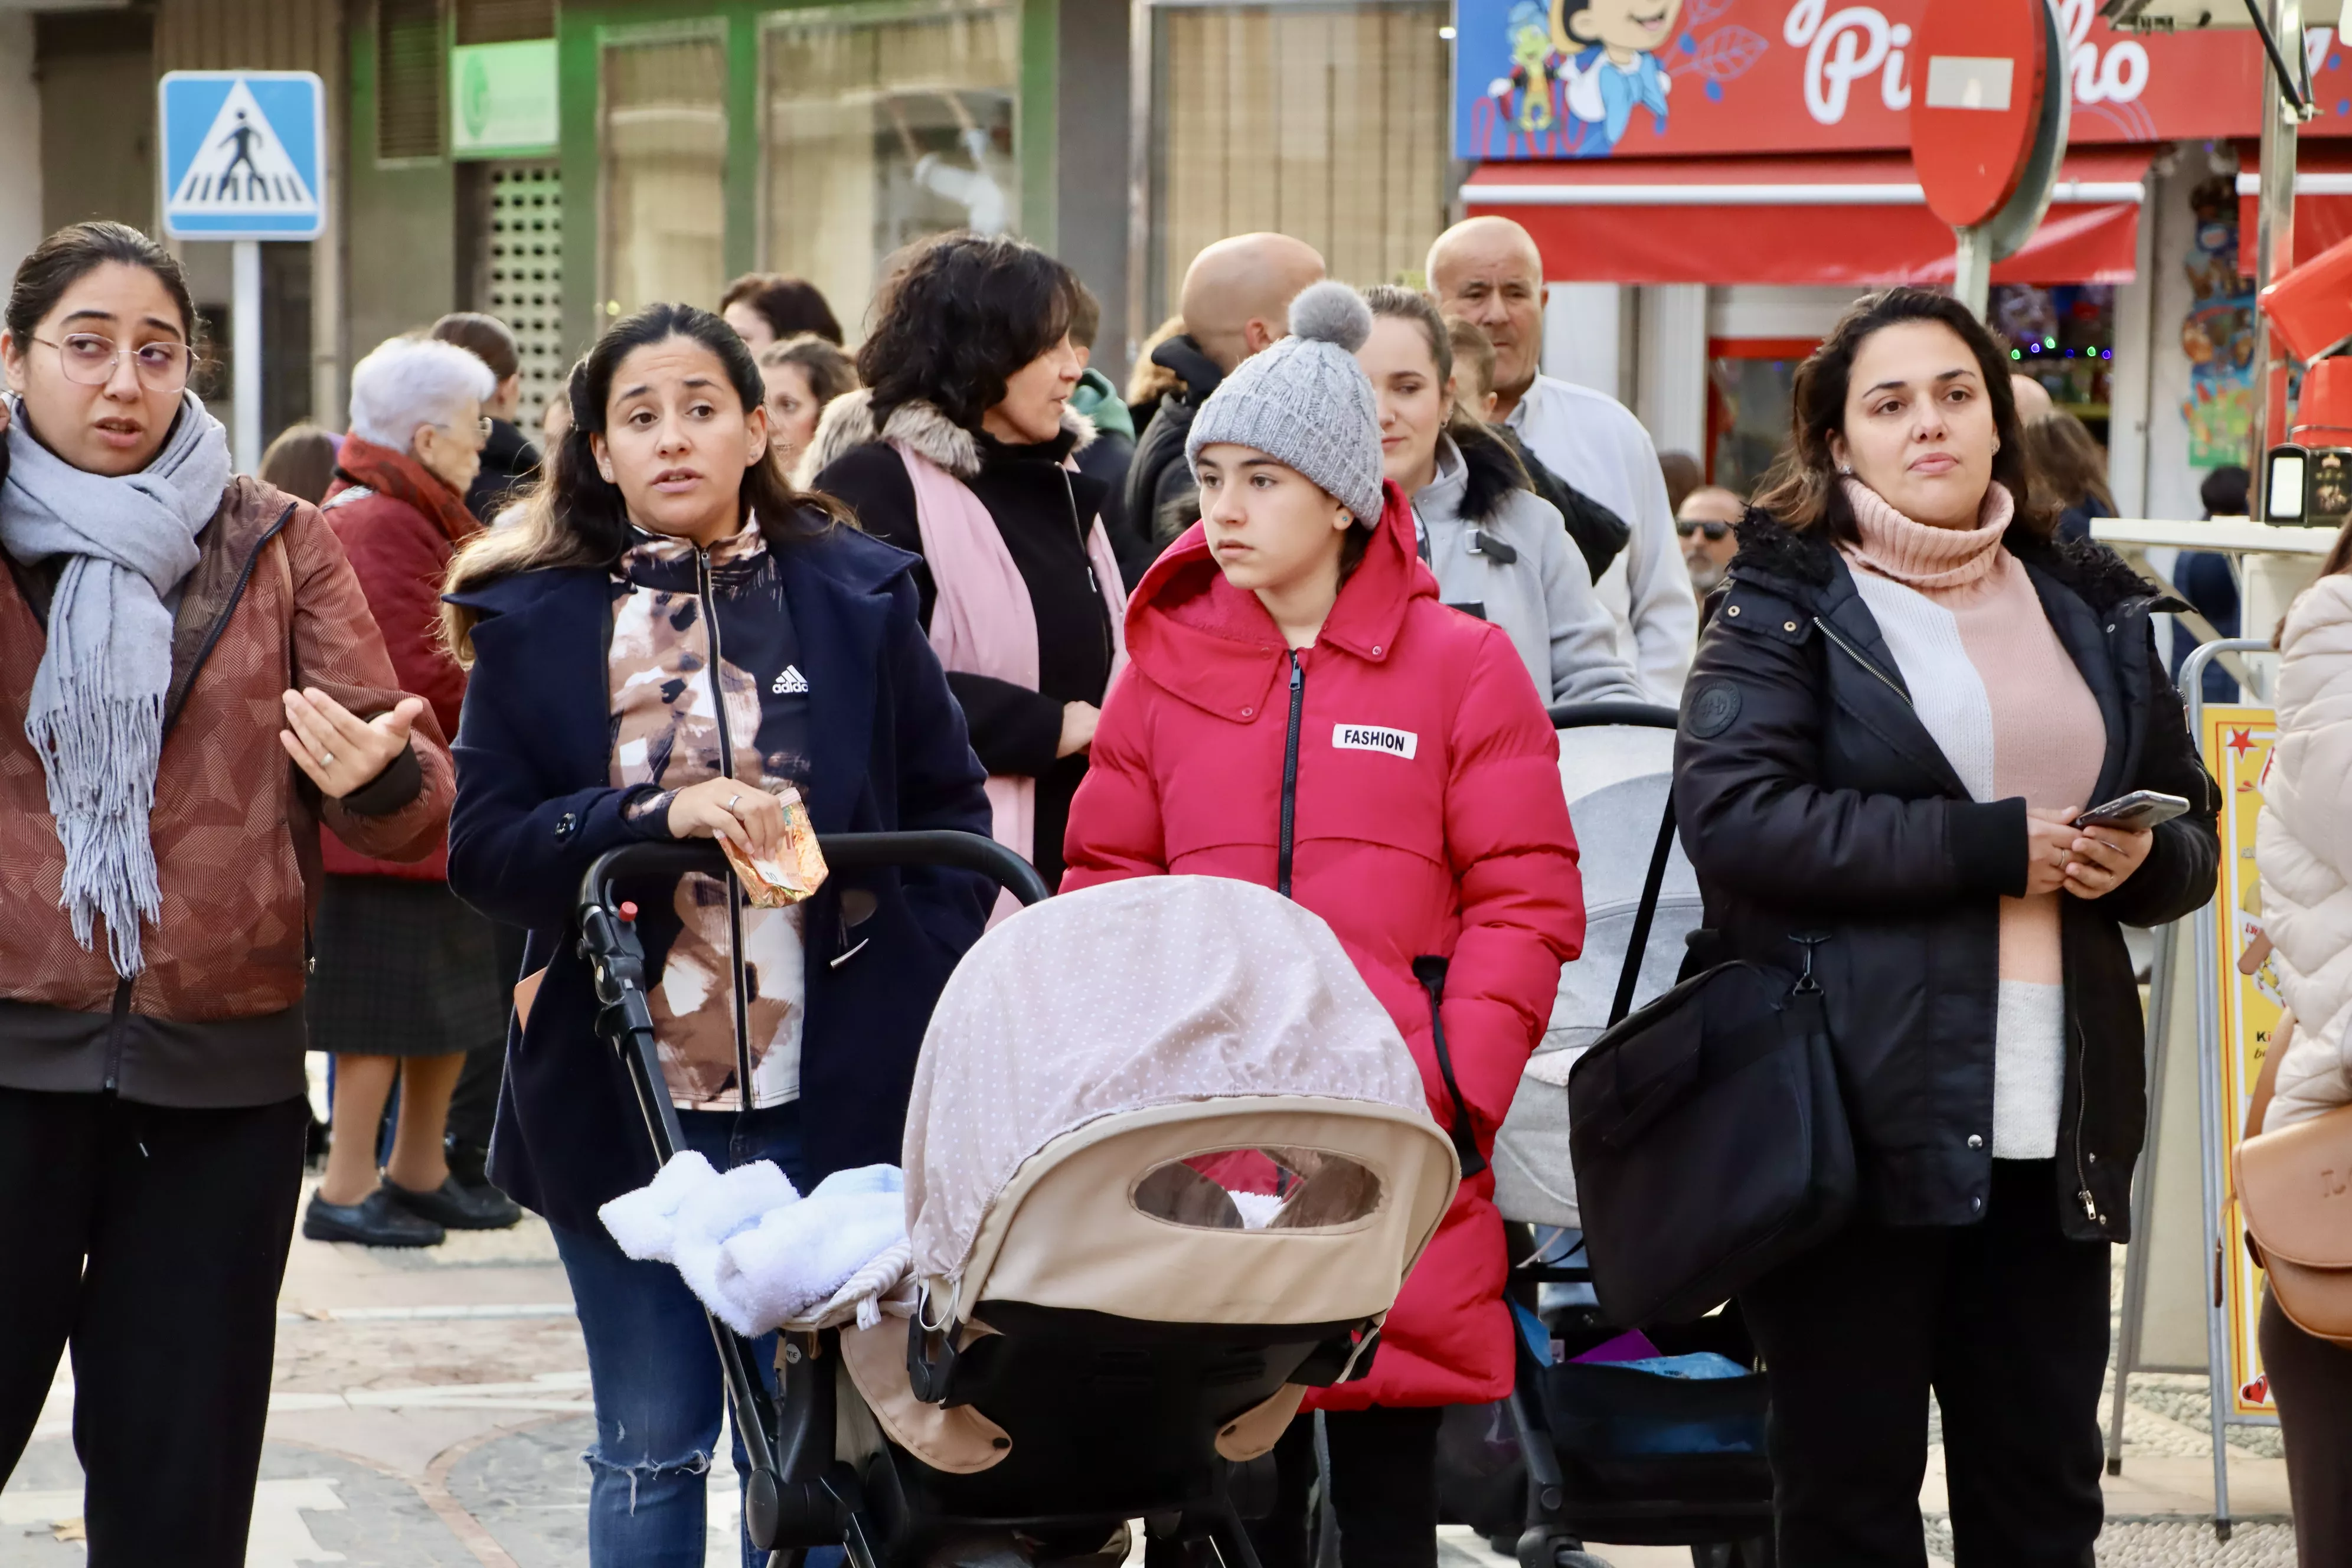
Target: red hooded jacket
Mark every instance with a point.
(1428, 819)
(399, 525)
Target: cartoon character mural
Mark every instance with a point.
(1613, 66)
(1567, 78)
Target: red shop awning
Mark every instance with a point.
(2323, 199)
(1852, 219)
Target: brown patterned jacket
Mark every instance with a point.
(215, 1017)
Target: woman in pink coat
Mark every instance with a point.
(1302, 713)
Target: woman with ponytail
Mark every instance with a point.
(669, 641)
(1499, 551)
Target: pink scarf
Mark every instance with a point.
(984, 624)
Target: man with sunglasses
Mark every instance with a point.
(1705, 524)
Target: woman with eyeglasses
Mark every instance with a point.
(1704, 521)
(408, 978)
(190, 687)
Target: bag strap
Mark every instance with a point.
(1646, 915)
(1429, 970)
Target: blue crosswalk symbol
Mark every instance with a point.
(242, 153)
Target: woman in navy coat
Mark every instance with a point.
(670, 643)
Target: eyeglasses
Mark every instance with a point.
(89, 360)
(1714, 532)
(480, 428)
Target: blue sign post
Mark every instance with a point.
(244, 160)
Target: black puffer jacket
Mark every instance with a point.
(1812, 798)
(1162, 500)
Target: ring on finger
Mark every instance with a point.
(326, 759)
(733, 800)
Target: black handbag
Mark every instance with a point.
(1708, 1136)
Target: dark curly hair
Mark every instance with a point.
(576, 517)
(1803, 490)
(959, 320)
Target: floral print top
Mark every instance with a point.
(683, 697)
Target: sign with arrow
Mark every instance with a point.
(243, 155)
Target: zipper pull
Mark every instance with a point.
(2090, 1206)
(1298, 671)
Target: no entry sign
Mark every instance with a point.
(1977, 100)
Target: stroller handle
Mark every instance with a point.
(843, 852)
(1593, 715)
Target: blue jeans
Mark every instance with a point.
(658, 1390)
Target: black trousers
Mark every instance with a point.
(2005, 1319)
(153, 1241)
(1384, 1491)
(2312, 1380)
(474, 1103)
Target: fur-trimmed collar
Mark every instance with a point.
(1769, 549)
(1492, 472)
(847, 424)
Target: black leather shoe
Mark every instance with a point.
(376, 1220)
(457, 1207)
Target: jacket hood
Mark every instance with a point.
(1214, 645)
(847, 424)
(362, 465)
(1098, 400)
(1201, 374)
(1484, 478)
(1773, 554)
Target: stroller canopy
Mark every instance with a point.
(1121, 1001)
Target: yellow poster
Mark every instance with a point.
(2237, 742)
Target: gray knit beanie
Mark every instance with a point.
(1305, 402)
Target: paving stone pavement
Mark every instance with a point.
(429, 1410)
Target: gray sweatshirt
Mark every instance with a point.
(1543, 599)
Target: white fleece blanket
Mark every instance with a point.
(761, 1255)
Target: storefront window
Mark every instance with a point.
(1750, 386)
(886, 122)
(665, 164)
(2064, 338)
(1324, 122)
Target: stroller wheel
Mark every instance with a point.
(1541, 1548)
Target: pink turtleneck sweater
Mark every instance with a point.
(1996, 688)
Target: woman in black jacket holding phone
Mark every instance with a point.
(1908, 693)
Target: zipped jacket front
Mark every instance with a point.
(1812, 801)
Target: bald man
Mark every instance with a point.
(1487, 270)
(2033, 398)
(1235, 302)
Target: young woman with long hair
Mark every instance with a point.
(1909, 694)
(670, 639)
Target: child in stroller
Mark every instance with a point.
(1168, 1162)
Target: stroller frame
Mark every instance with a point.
(1722, 1532)
(797, 1493)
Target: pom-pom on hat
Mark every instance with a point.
(1305, 402)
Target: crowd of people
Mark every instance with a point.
(956, 580)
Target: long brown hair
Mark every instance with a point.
(576, 517)
(1802, 491)
(1413, 305)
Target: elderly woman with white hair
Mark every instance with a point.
(407, 979)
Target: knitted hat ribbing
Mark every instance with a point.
(1305, 402)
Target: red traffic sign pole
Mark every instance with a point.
(1988, 108)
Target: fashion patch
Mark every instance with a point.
(1713, 706)
(1371, 737)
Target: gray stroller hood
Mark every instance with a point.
(1615, 778)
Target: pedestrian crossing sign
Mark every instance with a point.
(243, 155)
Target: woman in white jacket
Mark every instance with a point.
(2303, 846)
(1499, 551)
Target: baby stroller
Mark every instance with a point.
(1167, 1163)
(1608, 1451)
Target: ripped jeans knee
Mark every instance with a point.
(690, 1469)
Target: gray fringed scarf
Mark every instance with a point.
(96, 713)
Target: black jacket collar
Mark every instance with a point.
(1806, 565)
(1201, 374)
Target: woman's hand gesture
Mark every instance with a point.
(338, 750)
(742, 814)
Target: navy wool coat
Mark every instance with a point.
(535, 808)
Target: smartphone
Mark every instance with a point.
(2140, 809)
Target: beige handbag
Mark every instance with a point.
(2294, 1191)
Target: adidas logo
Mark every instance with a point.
(790, 682)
